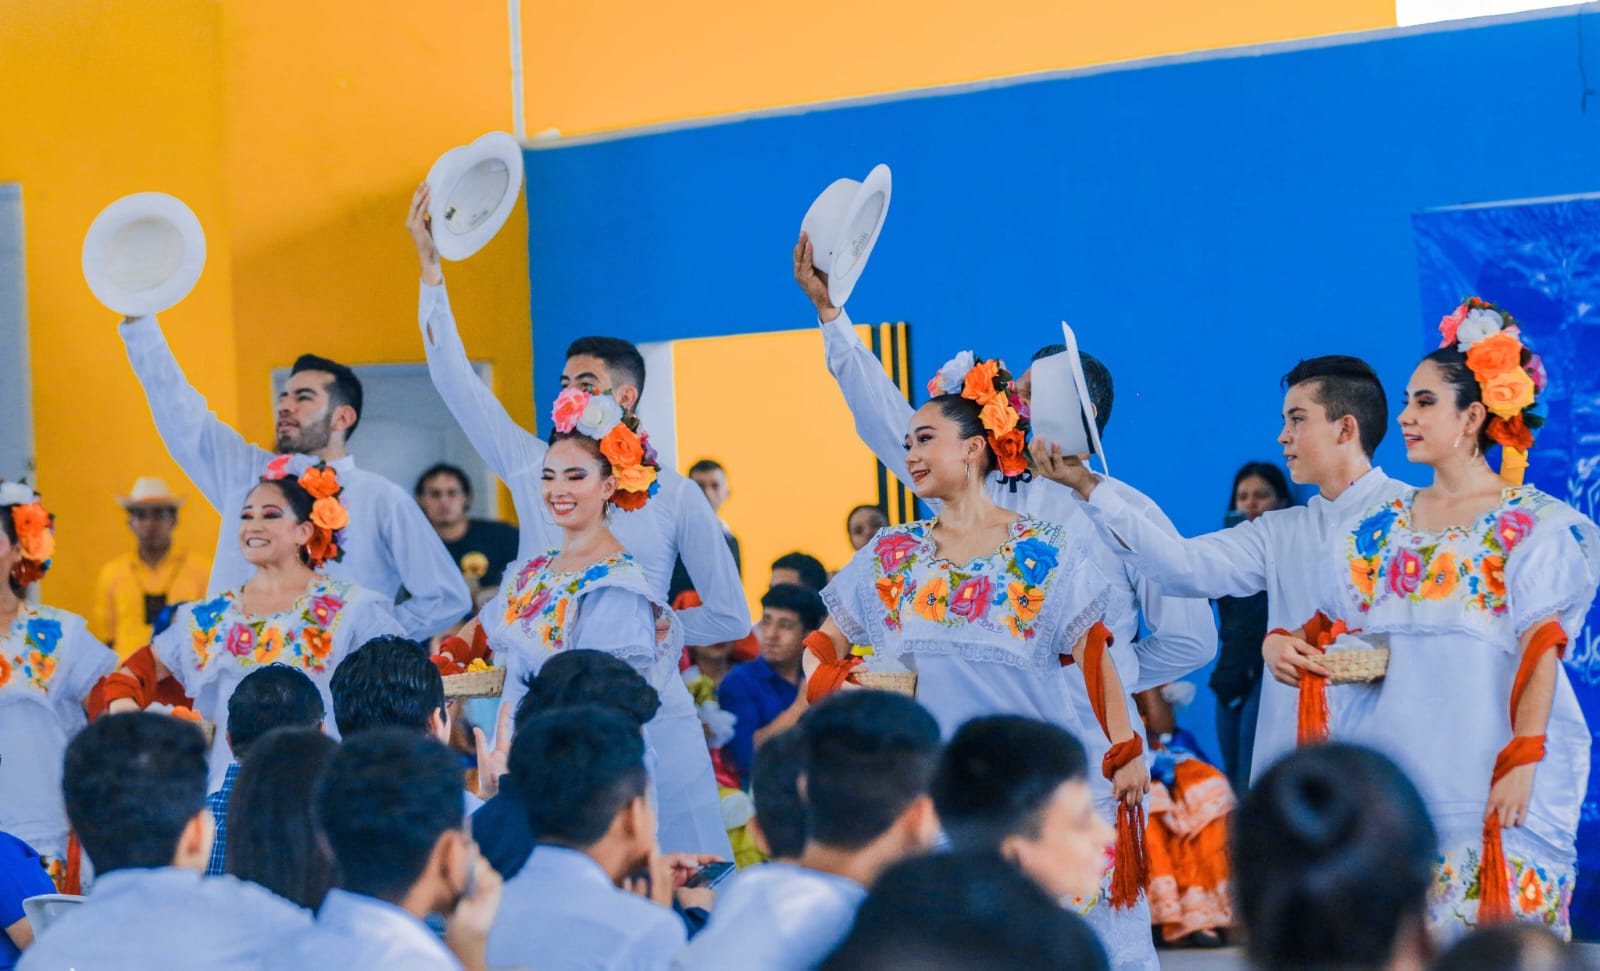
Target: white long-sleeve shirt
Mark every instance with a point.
(676, 522)
(1182, 631)
(389, 544)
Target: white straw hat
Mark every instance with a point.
(473, 189)
(143, 253)
(843, 225)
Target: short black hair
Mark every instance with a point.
(775, 789)
(869, 756)
(584, 677)
(132, 782)
(274, 696)
(707, 465)
(1517, 946)
(804, 601)
(621, 358)
(576, 768)
(344, 389)
(386, 682)
(385, 800)
(273, 837)
(812, 573)
(443, 468)
(865, 507)
(997, 775)
(959, 911)
(1346, 386)
(1102, 390)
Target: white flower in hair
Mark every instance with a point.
(16, 494)
(1479, 324)
(599, 416)
(953, 376)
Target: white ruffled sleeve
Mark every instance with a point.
(851, 598)
(172, 647)
(619, 621)
(1554, 571)
(81, 660)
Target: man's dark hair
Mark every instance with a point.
(1102, 391)
(576, 768)
(869, 756)
(387, 682)
(274, 696)
(958, 911)
(804, 601)
(384, 802)
(707, 465)
(1346, 386)
(132, 783)
(443, 468)
(997, 775)
(812, 573)
(1517, 946)
(273, 837)
(775, 789)
(582, 677)
(344, 389)
(621, 358)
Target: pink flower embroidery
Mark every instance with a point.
(324, 608)
(1405, 572)
(894, 549)
(241, 640)
(1513, 527)
(971, 599)
(278, 468)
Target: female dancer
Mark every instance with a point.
(1478, 581)
(592, 594)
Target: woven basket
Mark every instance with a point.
(475, 684)
(899, 682)
(1356, 666)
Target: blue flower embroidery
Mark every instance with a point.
(44, 634)
(1035, 559)
(1373, 531)
(593, 573)
(206, 615)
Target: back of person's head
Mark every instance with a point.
(344, 389)
(870, 756)
(1517, 946)
(273, 838)
(1333, 855)
(775, 790)
(134, 785)
(803, 600)
(387, 683)
(807, 568)
(576, 770)
(964, 912)
(996, 776)
(1102, 391)
(1343, 386)
(621, 358)
(582, 677)
(274, 696)
(385, 802)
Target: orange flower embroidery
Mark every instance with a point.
(1363, 574)
(1026, 601)
(319, 641)
(890, 589)
(933, 599)
(1440, 579)
(322, 483)
(1530, 892)
(201, 642)
(5, 670)
(270, 646)
(1494, 575)
(979, 385)
(330, 514)
(44, 666)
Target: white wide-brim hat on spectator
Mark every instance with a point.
(143, 253)
(149, 491)
(843, 225)
(473, 189)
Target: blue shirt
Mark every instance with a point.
(21, 876)
(354, 932)
(757, 695)
(500, 828)
(218, 804)
(776, 917)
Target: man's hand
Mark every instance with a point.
(1131, 783)
(492, 761)
(420, 226)
(1068, 470)
(1286, 656)
(467, 927)
(658, 885)
(813, 281)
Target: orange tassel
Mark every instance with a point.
(1132, 860)
(1312, 721)
(72, 882)
(1494, 886)
(1132, 863)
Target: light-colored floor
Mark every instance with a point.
(1232, 959)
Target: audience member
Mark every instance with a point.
(1019, 788)
(582, 778)
(764, 694)
(863, 523)
(390, 683)
(712, 479)
(964, 912)
(135, 787)
(274, 696)
(390, 806)
(22, 875)
(481, 548)
(1518, 946)
(1333, 858)
(869, 758)
(779, 826)
(799, 568)
(134, 588)
(273, 835)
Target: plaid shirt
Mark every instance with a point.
(218, 803)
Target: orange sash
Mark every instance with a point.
(1132, 860)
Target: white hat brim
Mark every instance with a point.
(143, 253)
(472, 190)
(871, 201)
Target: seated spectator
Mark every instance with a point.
(799, 568)
(582, 778)
(712, 479)
(1519, 946)
(275, 839)
(964, 912)
(869, 758)
(1019, 788)
(779, 826)
(863, 523)
(480, 548)
(390, 806)
(135, 788)
(1333, 858)
(764, 694)
(388, 682)
(275, 696)
(22, 875)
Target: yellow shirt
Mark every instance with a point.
(130, 594)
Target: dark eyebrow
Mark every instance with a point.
(589, 375)
(1295, 410)
(922, 428)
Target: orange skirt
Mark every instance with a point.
(1187, 838)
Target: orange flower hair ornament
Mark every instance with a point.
(35, 528)
(1002, 411)
(1510, 377)
(624, 443)
(328, 514)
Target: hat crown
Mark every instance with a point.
(150, 490)
(824, 221)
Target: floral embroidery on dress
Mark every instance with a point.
(301, 636)
(1013, 578)
(37, 632)
(1538, 894)
(541, 599)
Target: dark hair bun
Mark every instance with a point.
(1314, 808)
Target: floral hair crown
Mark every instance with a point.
(1003, 412)
(35, 528)
(622, 441)
(328, 514)
(1510, 377)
